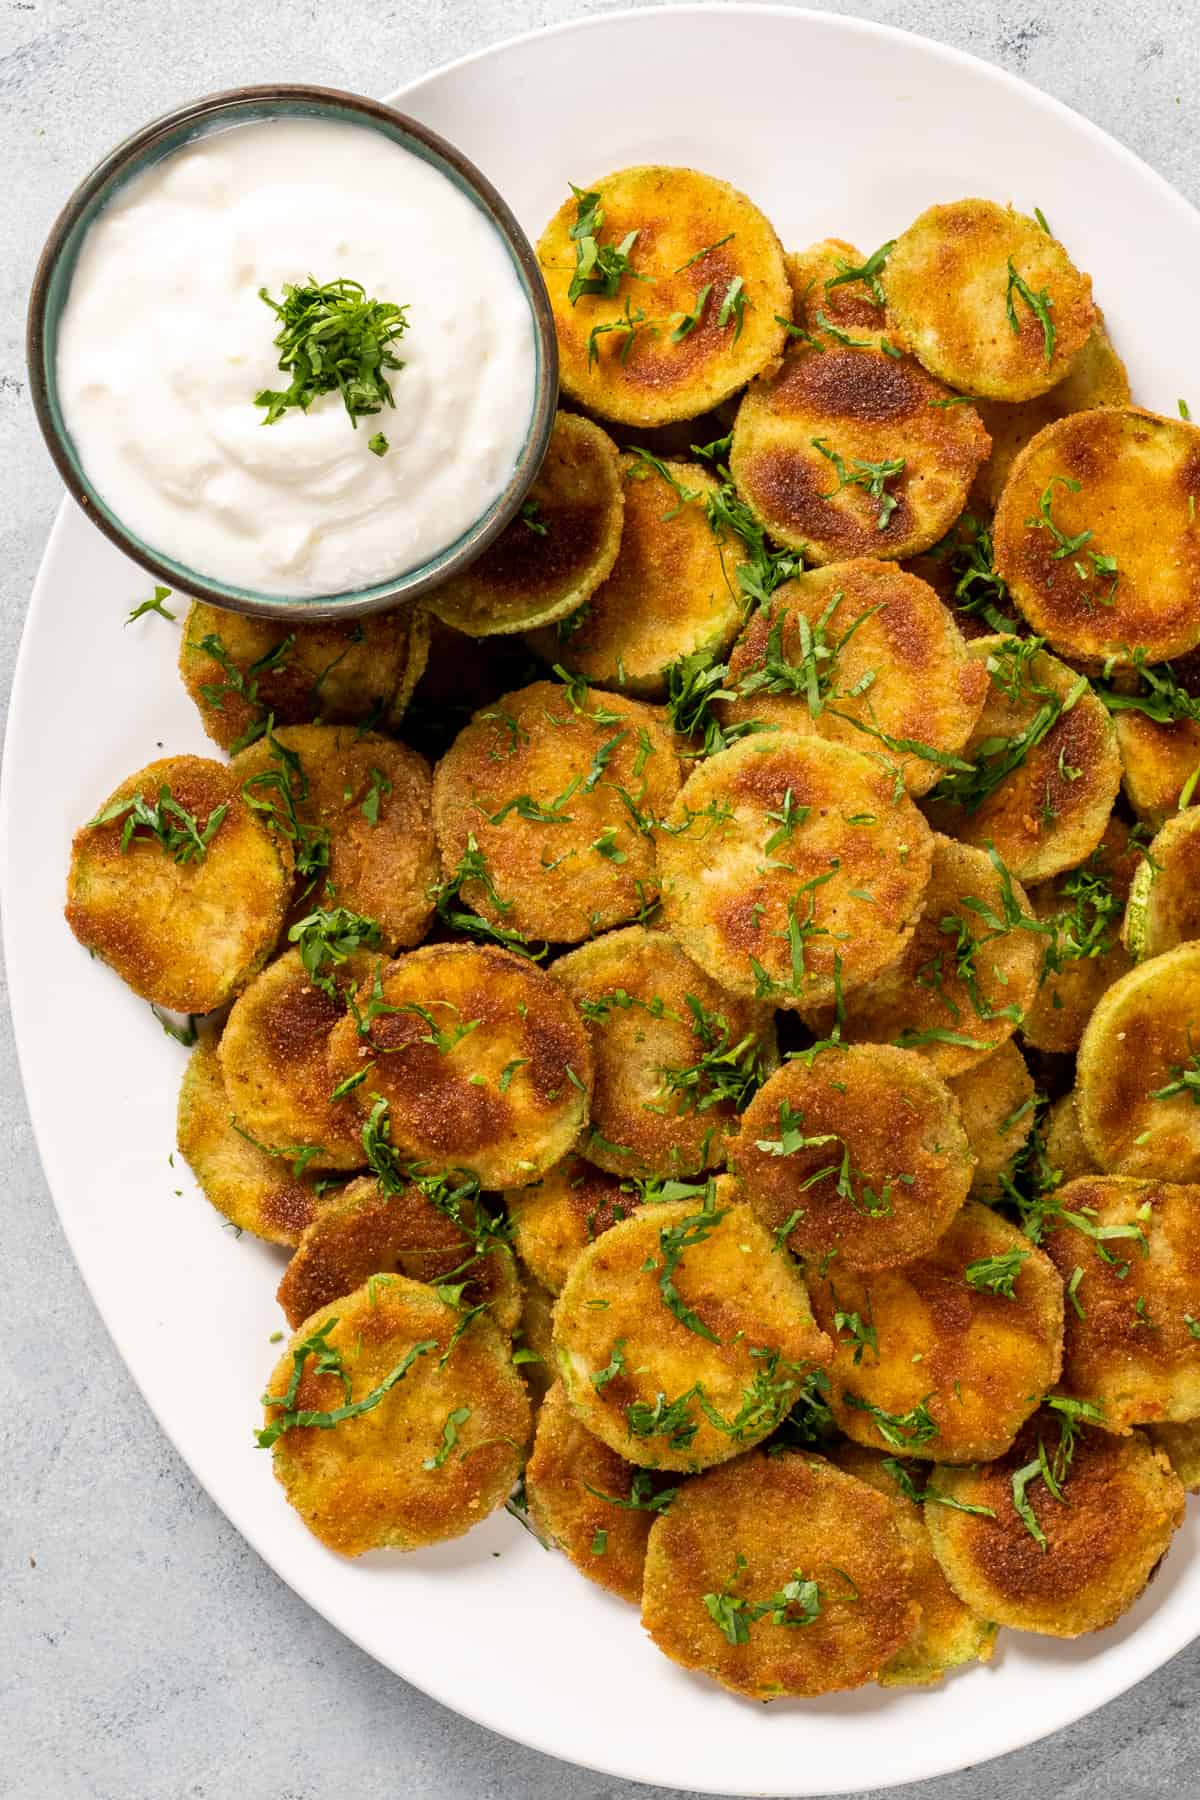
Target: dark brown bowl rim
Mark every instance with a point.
(354, 603)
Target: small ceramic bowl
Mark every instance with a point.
(160, 138)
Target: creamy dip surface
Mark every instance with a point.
(164, 342)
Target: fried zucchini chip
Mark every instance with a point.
(668, 289)
(558, 549)
(863, 654)
(533, 1340)
(1097, 538)
(1063, 1141)
(479, 1057)
(1164, 899)
(1085, 955)
(545, 808)
(837, 292)
(357, 808)
(589, 1502)
(856, 1153)
(682, 1338)
(274, 1054)
(1160, 757)
(368, 1230)
(1086, 1557)
(968, 974)
(555, 1219)
(772, 1542)
(988, 300)
(1180, 1444)
(947, 1634)
(255, 1190)
(1097, 377)
(671, 592)
(676, 1056)
(241, 671)
(178, 886)
(1131, 1252)
(853, 452)
(1046, 765)
(392, 1425)
(996, 1104)
(1137, 1090)
(792, 866)
(946, 1358)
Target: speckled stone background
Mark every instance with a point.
(145, 1652)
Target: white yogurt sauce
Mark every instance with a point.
(164, 342)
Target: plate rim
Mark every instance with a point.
(853, 25)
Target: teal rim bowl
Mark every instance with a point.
(251, 105)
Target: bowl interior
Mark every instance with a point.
(223, 113)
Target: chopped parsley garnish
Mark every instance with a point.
(327, 1360)
(733, 307)
(454, 1419)
(616, 1366)
(928, 1496)
(155, 604)
(673, 1241)
(333, 339)
(243, 683)
(1185, 1079)
(724, 1072)
(902, 1431)
(868, 273)
(598, 267)
(797, 1603)
(279, 792)
(1104, 568)
(980, 591)
(1072, 1414)
(325, 940)
(996, 1274)
(378, 786)
(1010, 666)
(1039, 305)
(530, 516)
(473, 866)
(684, 323)
(179, 832)
(378, 445)
(1161, 697)
(644, 1494)
(873, 477)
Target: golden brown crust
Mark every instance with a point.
(480, 1055)
(886, 1166)
(557, 551)
(1129, 478)
(634, 1368)
(556, 1218)
(1122, 1505)
(750, 1529)
(847, 306)
(671, 592)
(1180, 1444)
(1130, 1349)
(892, 661)
(952, 299)
(868, 408)
(1136, 1112)
(797, 855)
(604, 768)
(606, 1541)
(1065, 1148)
(658, 1025)
(366, 1483)
(1157, 762)
(661, 372)
(1068, 994)
(184, 934)
(366, 1231)
(957, 1368)
(996, 1104)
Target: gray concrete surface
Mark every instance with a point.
(145, 1652)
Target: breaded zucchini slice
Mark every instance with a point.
(792, 866)
(1088, 1555)
(274, 1054)
(857, 1152)
(1164, 898)
(988, 300)
(837, 292)
(777, 1541)
(671, 592)
(1131, 1251)
(358, 809)
(863, 654)
(947, 1634)
(480, 1057)
(1158, 760)
(556, 1218)
(546, 805)
(557, 550)
(946, 1358)
(1046, 765)
(1137, 1090)
(1180, 1444)
(996, 1105)
(676, 1056)
(1085, 955)
(368, 1230)
(589, 1502)
(392, 1424)
(667, 288)
(1097, 377)
(242, 671)
(177, 884)
(968, 974)
(1063, 1141)
(533, 1340)
(1097, 538)
(682, 1338)
(850, 452)
(256, 1191)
